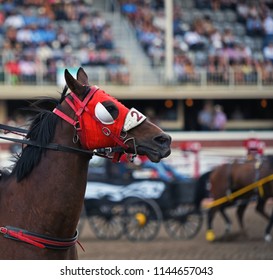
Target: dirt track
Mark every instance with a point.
(235, 246)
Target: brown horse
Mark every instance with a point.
(231, 177)
(42, 197)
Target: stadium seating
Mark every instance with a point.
(38, 37)
(193, 17)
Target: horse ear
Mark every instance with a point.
(73, 84)
(82, 76)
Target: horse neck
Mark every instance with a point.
(54, 191)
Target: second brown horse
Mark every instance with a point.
(231, 177)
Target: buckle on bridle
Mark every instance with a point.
(77, 128)
(106, 131)
(132, 156)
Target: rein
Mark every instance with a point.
(39, 240)
(56, 147)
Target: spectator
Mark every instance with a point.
(28, 68)
(14, 19)
(228, 38)
(267, 29)
(156, 53)
(249, 72)
(242, 11)
(205, 117)
(123, 72)
(219, 118)
(129, 9)
(212, 73)
(62, 37)
(105, 41)
(159, 20)
(179, 68)
(194, 40)
(267, 72)
(254, 25)
(268, 52)
(190, 73)
(43, 52)
(207, 26)
(13, 69)
(236, 67)
(8, 52)
(216, 40)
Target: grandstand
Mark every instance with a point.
(121, 44)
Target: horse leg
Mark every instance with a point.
(267, 236)
(260, 208)
(210, 236)
(227, 220)
(240, 214)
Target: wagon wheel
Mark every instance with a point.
(142, 219)
(183, 222)
(108, 224)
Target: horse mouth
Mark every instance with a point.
(152, 154)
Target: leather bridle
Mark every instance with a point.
(71, 99)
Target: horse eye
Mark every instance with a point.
(106, 112)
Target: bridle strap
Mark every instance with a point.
(78, 112)
(83, 108)
(64, 117)
(107, 132)
(15, 130)
(38, 240)
(57, 147)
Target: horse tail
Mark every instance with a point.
(202, 190)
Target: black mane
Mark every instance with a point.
(41, 131)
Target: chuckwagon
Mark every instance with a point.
(135, 205)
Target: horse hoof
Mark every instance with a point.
(210, 236)
(268, 238)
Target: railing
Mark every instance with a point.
(100, 75)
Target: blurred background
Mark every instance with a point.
(182, 63)
(200, 69)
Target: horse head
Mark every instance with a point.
(102, 122)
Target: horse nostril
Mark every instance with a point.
(163, 140)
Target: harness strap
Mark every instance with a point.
(118, 150)
(64, 117)
(57, 147)
(38, 240)
(83, 106)
(107, 132)
(8, 128)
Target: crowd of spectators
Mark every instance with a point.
(37, 37)
(240, 45)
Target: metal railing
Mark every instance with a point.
(100, 75)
